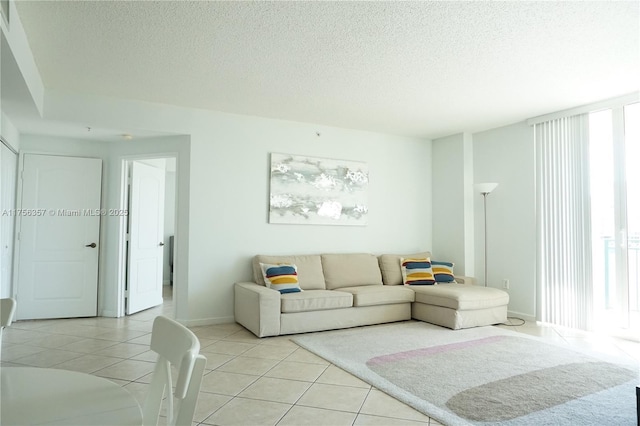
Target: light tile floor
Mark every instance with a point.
(248, 381)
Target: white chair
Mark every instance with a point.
(7, 309)
(176, 346)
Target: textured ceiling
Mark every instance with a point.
(423, 69)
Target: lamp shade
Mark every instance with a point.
(485, 188)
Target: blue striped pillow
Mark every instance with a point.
(443, 271)
(417, 271)
(281, 277)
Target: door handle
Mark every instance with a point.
(92, 245)
(161, 244)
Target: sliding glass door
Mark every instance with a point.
(614, 143)
(632, 149)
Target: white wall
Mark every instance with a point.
(14, 37)
(9, 133)
(453, 225)
(8, 174)
(169, 220)
(506, 155)
(230, 193)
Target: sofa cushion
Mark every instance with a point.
(369, 295)
(315, 300)
(390, 266)
(460, 297)
(417, 271)
(309, 267)
(443, 271)
(349, 270)
(281, 277)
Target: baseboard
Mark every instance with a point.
(526, 317)
(109, 314)
(207, 321)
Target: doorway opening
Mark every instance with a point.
(147, 233)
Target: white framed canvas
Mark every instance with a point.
(318, 191)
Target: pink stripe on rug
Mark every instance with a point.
(433, 350)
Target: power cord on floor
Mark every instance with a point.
(514, 325)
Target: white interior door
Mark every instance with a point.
(58, 231)
(146, 233)
(9, 161)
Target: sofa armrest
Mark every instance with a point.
(460, 279)
(257, 308)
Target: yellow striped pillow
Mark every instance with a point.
(443, 271)
(281, 277)
(417, 271)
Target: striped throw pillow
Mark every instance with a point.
(443, 271)
(417, 271)
(281, 277)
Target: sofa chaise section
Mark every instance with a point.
(458, 306)
(453, 305)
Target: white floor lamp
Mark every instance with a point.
(485, 189)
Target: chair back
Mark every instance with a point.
(179, 348)
(7, 309)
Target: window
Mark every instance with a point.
(614, 143)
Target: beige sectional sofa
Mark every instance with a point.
(354, 289)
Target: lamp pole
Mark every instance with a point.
(485, 189)
(486, 271)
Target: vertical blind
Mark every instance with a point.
(565, 277)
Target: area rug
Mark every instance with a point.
(484, 375)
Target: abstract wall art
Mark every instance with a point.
(318, 191)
